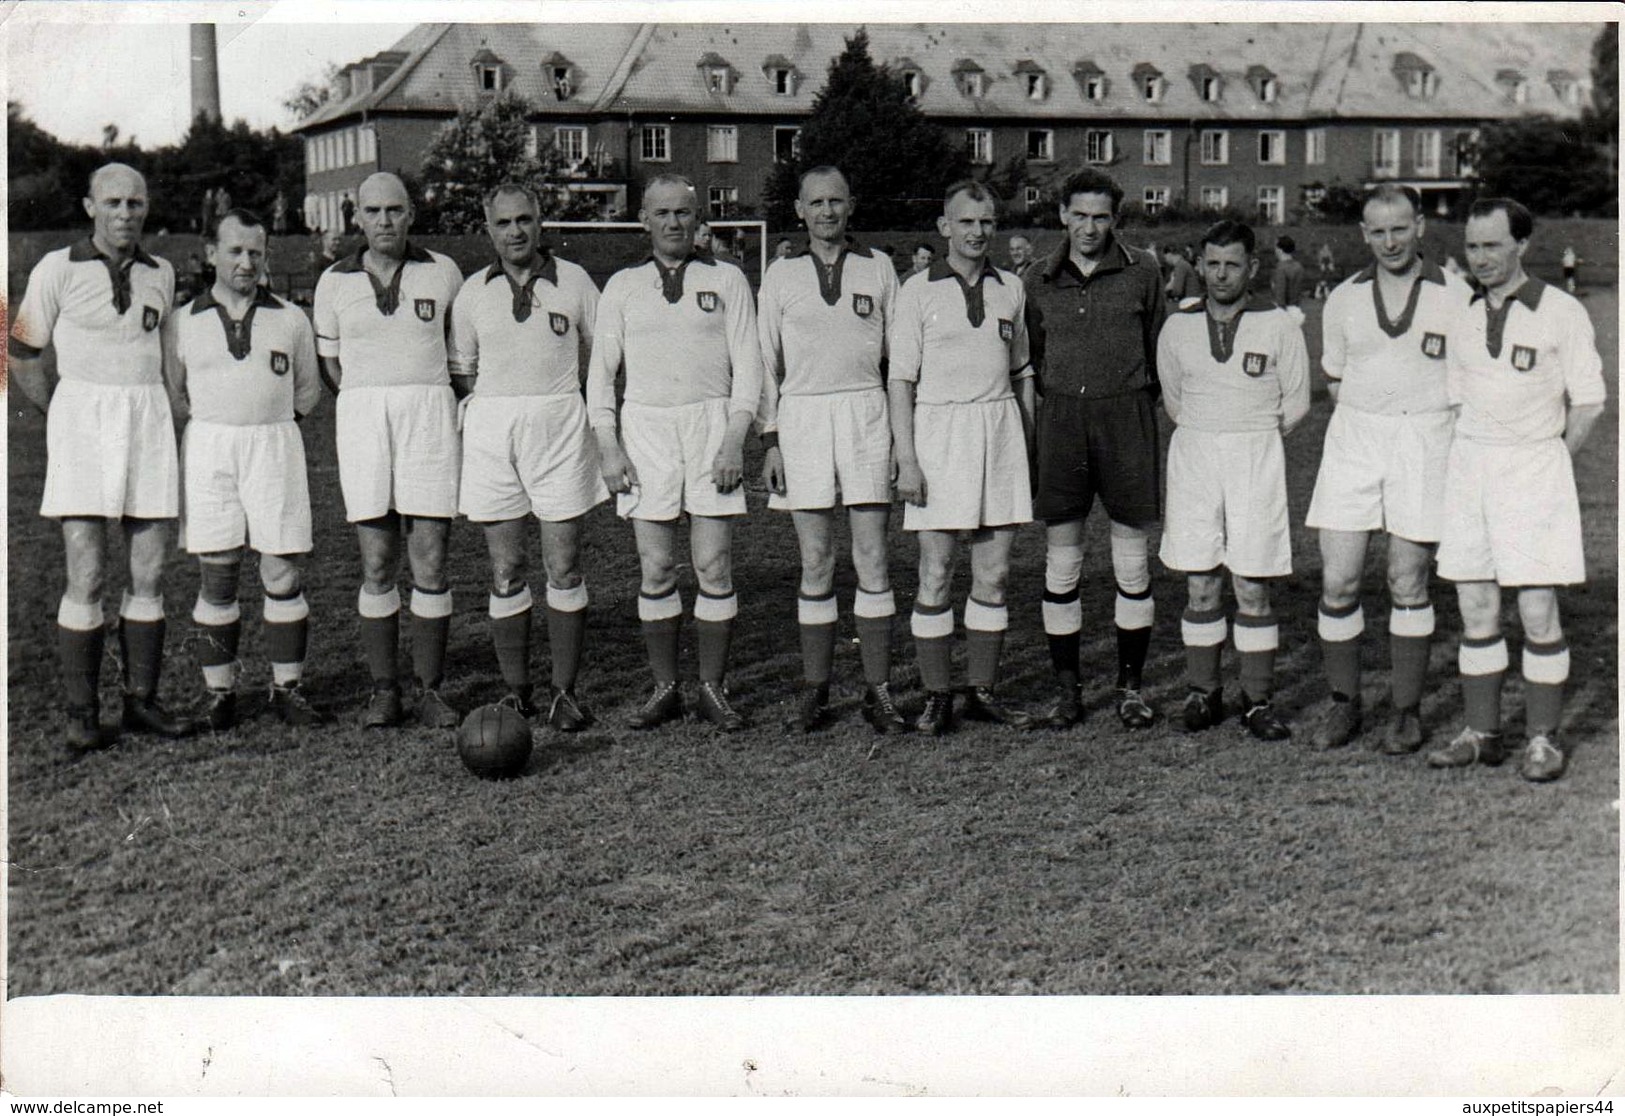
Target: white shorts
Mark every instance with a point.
(974, 457)
(398, 450)
(672, 449)
(1227, 504)
(839, 442)
(110, 452)
(1383, 472)
(245, 484)
(528, 454)
(1512, 515)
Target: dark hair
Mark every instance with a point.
(1090, 181)
(1391, 192)
(244, 217)
(932, 248)
(1519, 220)
(1227, 232)
(1286, 244)
(976, 191)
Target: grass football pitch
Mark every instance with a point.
(340, 862)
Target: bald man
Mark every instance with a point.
(381, 321)
(110, 443)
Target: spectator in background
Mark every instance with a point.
(1182, 283)
(1288, 279)
(1326, 262)
(279, 214)
(783, 249)
(347, 211)
(703, 240)
(222, 206)
(923, 255)
(328, 251)
(1570, 262)
(1021, 255)
(206, 212)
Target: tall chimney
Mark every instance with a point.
(205, 72)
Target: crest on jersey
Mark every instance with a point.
(708, 300)
(1523, 358)
(1007, 329)
(279, 363)
(149, 318)
(424, 308)
(863, 305)
(1433, 345)
(560, 323)
(1254, 363)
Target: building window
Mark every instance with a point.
(369, 145)
(1421, 84)
(1156, 199)
(1151, 87)
(1040, 145)
(979, 143)
(1032, 196)
(572, 144)
(786, 144)
(563, 84)
(1097, 146)
(722, 143)
(1385, 153)
(1268, 89)
(1314, 153)
(533, 142)
(1271, 205)
(1272, 148)
(973, 83)
(1465, 143)
(1158, 145)
(490, 79)
(723, 200)
(1212, 88)
(1035, 85)
(1215, 147)
(1094, 87)
(1568, 92)
(784, 82)
(717, 79)
(1426, 152)
(656, 143)
(350, 138)
(913, 83)
(1215, 197)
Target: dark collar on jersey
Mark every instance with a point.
(118, 271)
(975, 307)
(86, 250)
(239, 333)
(848, 244)
(1221, 336)
(352, 262)
(671, 279)
(829, 275)
(1529, 293)
(262, 297)
(1060, 267)
(1431, 272)
(548, 270)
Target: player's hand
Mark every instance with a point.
(619, 473)
(773, 470)
(462, 411)
(728, 468)
(911, 483)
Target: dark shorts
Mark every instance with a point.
(1099, 447)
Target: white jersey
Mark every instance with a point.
(1392, 360)
(103, 316)
(259, 370)
(387, 335)
(524, 340)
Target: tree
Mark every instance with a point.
(1604, 110)
(308, 96)
(1552, 166)
(477, 150)
(862, 121)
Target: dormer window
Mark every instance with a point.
(1515, 85)
(1034, 81)
(912, 82)
(971, 78)
(1150, 82)
(1420, 80)
(558, 72)
(1091, 81)
(717, 74)
(1566, 86)
(781, 75)
(1209, 85)
(488, 71)
(1265, 84)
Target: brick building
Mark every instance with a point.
(1250, 115)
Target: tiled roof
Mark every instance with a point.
(1322, 70)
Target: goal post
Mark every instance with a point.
(750, 229)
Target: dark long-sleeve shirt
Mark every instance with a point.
(1095, 336)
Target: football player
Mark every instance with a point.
(242, 364)
(381, 321)
(1235, 378)
(1525, 373)
(822, 318)
(110, 443)
(961, 394)
(684, 327)
(1382, 468)
(519, 329)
